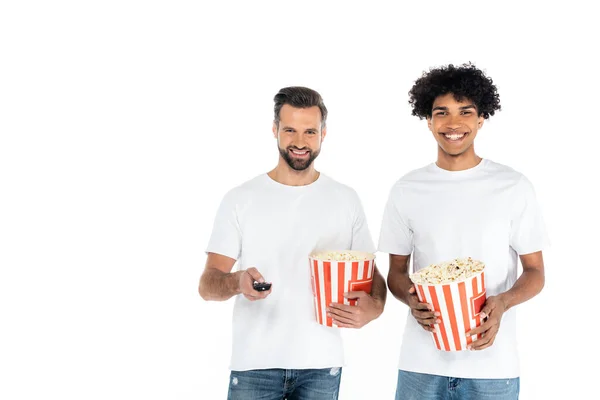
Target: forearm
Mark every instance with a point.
(399, 284)
(379, 289)
(219, 286)
(529, 284)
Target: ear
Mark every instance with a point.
(274, 129)
(429, 125)
(480, 121)
(323, 133)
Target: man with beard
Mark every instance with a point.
(462, 205)
(270, 225)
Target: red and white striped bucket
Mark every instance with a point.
(331, 279)
(459, 304)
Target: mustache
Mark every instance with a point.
(299, 149)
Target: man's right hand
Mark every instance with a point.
(422, 312)
(246, 282)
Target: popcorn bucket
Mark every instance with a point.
(335, 273)
(459, 304)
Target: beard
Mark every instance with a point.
(295, 163)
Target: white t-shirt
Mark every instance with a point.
(489, 213)
(274, 227)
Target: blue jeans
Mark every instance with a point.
(280, 384)
(412, 385)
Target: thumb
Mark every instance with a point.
(412, 290)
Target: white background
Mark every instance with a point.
(123, 123)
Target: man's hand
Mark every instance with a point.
(492, 312)
(246, 282)
(365, 311)
(422, 312)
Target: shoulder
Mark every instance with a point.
(412, 178)
(333, 185)
(342, 192)
(509, 175)
(245, 190)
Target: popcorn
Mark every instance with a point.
(456, 270)
(342, 256)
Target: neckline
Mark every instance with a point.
(469, 171)
(273, 182)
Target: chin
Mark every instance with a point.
(453, 153)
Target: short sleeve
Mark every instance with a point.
(527, 230)
(361, 236)
(395, 237)
(226, 237)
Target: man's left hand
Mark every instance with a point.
(492, 312)
(366, 310)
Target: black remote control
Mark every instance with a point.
(261, 287)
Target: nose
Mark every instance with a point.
(298, 140)
(454, 123)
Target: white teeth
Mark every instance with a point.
(300, 153)
(454, 137)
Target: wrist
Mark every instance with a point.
(504, 299)
(379, 303)
(237, 279)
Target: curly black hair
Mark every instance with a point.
(464, 81)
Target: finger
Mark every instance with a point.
(482, 343)
(486, 310)
(484, 327)
(338, 313)
(253, 272)
(262, 295)
(254, 298)
(412, 290)
(488, 338)
(423, 309)
(341, 307)
(428, 321)
(428, 328)
(343, 319)
(425, 314)
(355, 295)
(253, 295)
(482, 347)
(423, 306)
(343, 325)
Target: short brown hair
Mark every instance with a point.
(299, 97)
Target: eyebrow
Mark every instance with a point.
(460, 108)
(306, 130)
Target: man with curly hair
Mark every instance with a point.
(462, 206)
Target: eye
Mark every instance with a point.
(289, 130)
(311, 132)
(466, 113)
(440, 113)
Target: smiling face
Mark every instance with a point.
(299, 135)
(454, 124)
